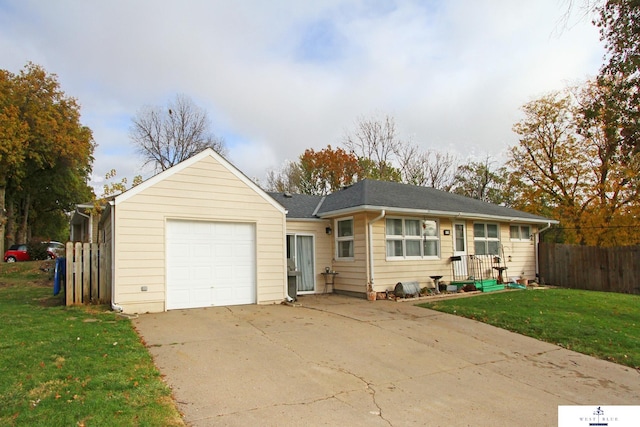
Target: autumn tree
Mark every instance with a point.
(165, 136)
(45, 154)
(327, 170)
(619, 25)
(566, 167)
(615, 168)
(13, 138)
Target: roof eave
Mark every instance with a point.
(306, 219)
(436, 213)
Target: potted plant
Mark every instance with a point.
(371, 294)
(522, 280)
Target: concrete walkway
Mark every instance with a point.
(336, 360)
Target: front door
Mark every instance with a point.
(301, 255)
(460, 251)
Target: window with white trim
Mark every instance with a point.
(411, 238)
(520, 232)
(344, 239)
(485, 239)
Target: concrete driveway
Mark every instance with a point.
(336, 360)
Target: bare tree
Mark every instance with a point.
(286, 179)
(375, 140)
(167, 136)
(429, 168)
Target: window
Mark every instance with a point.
(520, 232)
(486, 241)
(344, 238)
(411, 238)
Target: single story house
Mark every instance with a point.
(374, 234)
(203, 234)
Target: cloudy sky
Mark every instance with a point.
(280, 76)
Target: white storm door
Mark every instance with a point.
(460, 250)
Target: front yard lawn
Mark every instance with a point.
(600, 324)
(72, 366)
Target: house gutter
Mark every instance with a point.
(370, 235)
(538, 243)
(437, 213)
(114, 306)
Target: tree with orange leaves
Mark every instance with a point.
(571, 164)
(327, 170)
(45, 155)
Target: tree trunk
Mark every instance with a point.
(10, 228)
(22, 234)
(3, 218)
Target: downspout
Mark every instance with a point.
(370, 235)
(114, 306)
(537, 244)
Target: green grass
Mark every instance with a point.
(604, 325)
(72, 366)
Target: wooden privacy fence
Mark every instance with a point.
(615, 269)
(86, 274)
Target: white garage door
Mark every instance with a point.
(210, 263)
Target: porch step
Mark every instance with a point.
(489, 285)
(486, 285)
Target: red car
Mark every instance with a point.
(19, 253)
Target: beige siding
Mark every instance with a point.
(323, 247)
(352, 274)
(105, 230)
(522, 253)
(518, 256)
(388, 273)
(207, 191)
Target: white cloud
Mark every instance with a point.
(279, 77)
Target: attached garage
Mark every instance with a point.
(210, 263)
(199, 234)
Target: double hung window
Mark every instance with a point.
(519, 232)
(486, 239)
(344, 239)
(411, 238)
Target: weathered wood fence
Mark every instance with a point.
(615, 269)
(86, 274)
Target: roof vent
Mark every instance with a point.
(287, 194)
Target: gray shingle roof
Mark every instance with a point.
(371, 194)
(298, 205)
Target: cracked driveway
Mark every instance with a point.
(335, 360)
